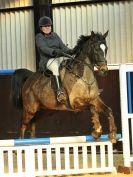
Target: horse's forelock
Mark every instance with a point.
(98, 37)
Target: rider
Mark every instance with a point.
(51, 48)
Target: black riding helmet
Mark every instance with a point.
(44, 21)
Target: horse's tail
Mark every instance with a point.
(18, 79)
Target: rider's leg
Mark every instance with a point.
(53, 65)
(59, 92)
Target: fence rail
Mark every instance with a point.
(56, 159)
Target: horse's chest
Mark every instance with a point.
(82, 94)
(82, 88)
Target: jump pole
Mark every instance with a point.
(7, 71)
(53, 140)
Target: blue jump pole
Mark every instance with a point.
(7, 71)
(53, 140)
(129, 93)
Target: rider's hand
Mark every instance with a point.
(57, 53)
(71, 52)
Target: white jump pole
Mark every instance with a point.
(54, 140)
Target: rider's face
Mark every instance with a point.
(46, 29)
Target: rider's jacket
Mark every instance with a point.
(46, 44)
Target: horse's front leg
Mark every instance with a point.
(112, 127)
(95, 120)
(109, 114)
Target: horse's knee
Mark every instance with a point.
(92, 109)
(99, 129)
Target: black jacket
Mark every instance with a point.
(46, 45)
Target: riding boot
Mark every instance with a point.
(59, 93)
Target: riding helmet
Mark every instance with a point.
(44, 21)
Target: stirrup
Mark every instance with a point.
(61, 96)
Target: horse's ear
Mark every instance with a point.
(92, 33)
(106, 34)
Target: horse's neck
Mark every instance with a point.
(81, 71)
(85, 60)
(88, 69)
(82, 68)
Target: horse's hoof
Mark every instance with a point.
(112, 138)
(96, 135)
(113, 141)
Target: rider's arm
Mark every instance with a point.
(42, 46)
(63, 47)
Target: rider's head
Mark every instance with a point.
(45, 24)
(45, 21)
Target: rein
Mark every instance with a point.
(78, 76)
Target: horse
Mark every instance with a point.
(33, 91)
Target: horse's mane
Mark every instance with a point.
(95, 36)
(82, 39)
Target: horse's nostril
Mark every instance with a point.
(105, 72)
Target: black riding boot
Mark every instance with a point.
(59, 93)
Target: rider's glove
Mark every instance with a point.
(71, 52)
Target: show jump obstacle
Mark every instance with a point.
(73, 156)
(126, 90)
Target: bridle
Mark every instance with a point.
(95, 62)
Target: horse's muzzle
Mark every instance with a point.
(103, 70)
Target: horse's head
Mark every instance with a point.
(94, 48)
(98, 52)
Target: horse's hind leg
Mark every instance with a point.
(95, 120)
(33, 129)
(25, 122)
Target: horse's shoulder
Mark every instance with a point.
(62, 73)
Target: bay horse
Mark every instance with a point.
(33, 90)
